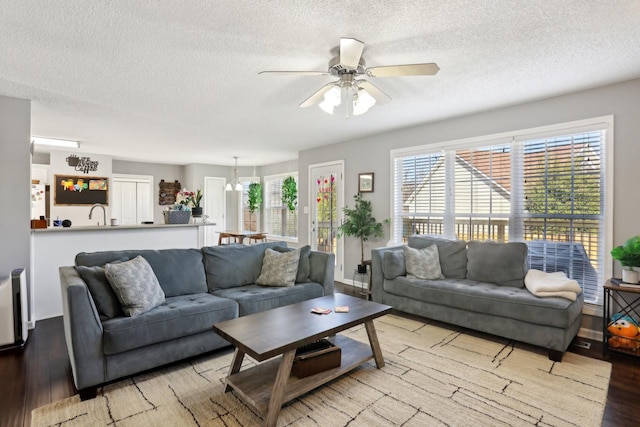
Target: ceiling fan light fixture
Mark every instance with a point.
(362, 101)
(326, 107)
(333, 96)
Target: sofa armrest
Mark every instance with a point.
(322, 266)
(377, 276)
(82, 330)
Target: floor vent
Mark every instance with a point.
(583, 344)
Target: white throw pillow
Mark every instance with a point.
(423, 263)
(279, 268)
(135, 284)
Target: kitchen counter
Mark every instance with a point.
(54, 247)
(117, 227)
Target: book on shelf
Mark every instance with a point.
(622, 284)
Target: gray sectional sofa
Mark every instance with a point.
(482, 288)
(201, 287)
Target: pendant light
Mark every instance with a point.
(235, 185)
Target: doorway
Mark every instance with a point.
(326, 190)
(215, 206)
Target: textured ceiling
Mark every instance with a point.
(177, 81)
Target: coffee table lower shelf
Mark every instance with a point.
(255, 385)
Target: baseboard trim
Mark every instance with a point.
(590, 334)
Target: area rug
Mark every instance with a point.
(435, 375)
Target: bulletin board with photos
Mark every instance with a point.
(71, 190)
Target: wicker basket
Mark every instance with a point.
(176, 217)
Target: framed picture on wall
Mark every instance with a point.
(365, 182)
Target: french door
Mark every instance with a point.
(326, 192)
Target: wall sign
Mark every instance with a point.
(168, 192)
(80, 190)
(82, 164)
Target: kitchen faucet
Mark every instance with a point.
(104, 212)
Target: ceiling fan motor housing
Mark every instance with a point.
(338, 69)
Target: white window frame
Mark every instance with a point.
(267, 179)
(245, 181)
(605, 123)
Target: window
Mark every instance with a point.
(249, 221)
(545, 187)
(279, 220)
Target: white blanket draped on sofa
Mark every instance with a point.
(556, 284)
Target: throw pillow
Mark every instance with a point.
(304, 266)
(103, 296)
(452, 253)
(422, 263)
(504, 264)
(279, 268)
(393, 264)
(136, 285)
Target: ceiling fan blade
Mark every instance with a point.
(297, 73)
(404, 70)
(317, 97)
(350, 52)
(373, 90)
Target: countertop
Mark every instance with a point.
(117, 227)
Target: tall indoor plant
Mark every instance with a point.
(629, 256)
(254, 197)
(359, 222)
(290, 193)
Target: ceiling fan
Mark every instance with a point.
(348, 65)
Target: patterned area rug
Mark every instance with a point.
(435, 375)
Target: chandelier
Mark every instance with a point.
(356, 99)
(234, 185)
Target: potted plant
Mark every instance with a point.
(195, 199)
(629, 257)
(290, 193)
(359, 222)
(254, 196)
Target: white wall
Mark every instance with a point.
(15, 184)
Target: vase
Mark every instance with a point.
(629, 276)
(196, 211)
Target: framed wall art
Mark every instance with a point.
(80, 190)
(365, 182)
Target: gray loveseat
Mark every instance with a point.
(201, 287)
(482, 289)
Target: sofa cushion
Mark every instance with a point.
(488, 298)
(393, 264)
(135, 284)
(177, 317)
(279, 268)
(103, 296)
(422, 263)
(179, 271)
(228, 266)
(452, 253)
(304, 266)
(500, 263)
(255, 298)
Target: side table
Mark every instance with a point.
(627, 300)
(365, 280)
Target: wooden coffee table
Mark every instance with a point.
(279, 332)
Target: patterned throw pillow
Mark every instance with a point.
(423, 263)
(279, 269)
(136, 285)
